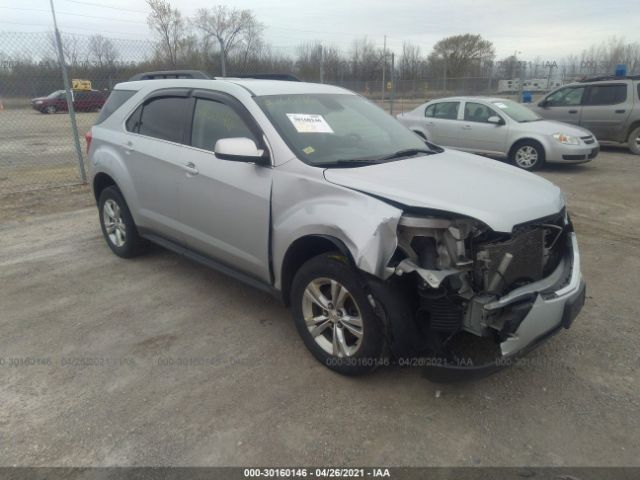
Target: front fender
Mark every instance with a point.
(306, 205)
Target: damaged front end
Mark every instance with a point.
(482, 298)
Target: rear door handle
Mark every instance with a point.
(190, 168)
(466, 127)
(573, 111)
(620, 111)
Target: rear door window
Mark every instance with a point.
(115, 101)
(606, 94)
(163, 118)
(446, 110)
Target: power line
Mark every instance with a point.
(106, 6)
(60, 12)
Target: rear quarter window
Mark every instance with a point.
(114, 102)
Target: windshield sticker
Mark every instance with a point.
(309, 123)
(500, 105)
(309, 150)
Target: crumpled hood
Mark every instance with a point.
(497, 194)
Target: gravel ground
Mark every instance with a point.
(158, 361)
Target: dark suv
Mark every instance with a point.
(609, 107)
(83, 101)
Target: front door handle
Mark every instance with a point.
(429, 124)
(620, 111)
(190, 168)
(573, 111)
(466, 127)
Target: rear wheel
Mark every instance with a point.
(333, 316)
(117, 224)
(634, 141)
(528, 155)
(51, 109)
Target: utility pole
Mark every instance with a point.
(384, 67)
(321, 64)
(67, 87)
(223, 62)
(444, 74)
(393, 82)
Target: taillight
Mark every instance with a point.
(87, 138)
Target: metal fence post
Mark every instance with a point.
(393, 82)
(67, 87)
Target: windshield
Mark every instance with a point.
(516, 111)
(55, 94)
(335, 129)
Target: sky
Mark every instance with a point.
(549, 29)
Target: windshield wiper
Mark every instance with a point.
(409, 152)
(348, 162)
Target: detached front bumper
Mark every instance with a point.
(545, 307)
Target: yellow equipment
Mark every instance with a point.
(78, 84)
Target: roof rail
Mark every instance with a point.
(610, 77)
(270, 76)
(170, 74)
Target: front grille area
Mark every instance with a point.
(588, 139)
(536, 250)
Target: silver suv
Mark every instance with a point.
(386, 248)
(609, 107)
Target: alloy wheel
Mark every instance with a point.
(526, 156)
(332, 317)
(113, 223)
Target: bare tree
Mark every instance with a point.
(102, 51)
(231, 27)
(170, 28)
(70, 47)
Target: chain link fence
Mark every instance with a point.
(37, 144)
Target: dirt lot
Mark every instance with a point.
(158, 361)
(37, 150)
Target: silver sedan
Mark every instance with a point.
(500, 128)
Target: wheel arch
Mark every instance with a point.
(522, 140)
(101, 181)
(302, 250)
(632, 127)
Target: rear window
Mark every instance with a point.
(114, 102)
(607, 94)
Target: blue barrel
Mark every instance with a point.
(621, 70)
(527, 97)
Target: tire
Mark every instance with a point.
(117, 224)
(634, 141)
(527, 155)
(349, 335)
(51, 109)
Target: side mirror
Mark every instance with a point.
(544, 103)
(240, 149)
(495, 119)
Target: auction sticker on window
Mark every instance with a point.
(309, 123)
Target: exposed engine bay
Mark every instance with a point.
(460, 269)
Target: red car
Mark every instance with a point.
(83, 101)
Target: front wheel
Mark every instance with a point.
(634, 141)
(528, 155)
(333, 316)
(51, 109)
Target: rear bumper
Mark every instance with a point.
(553, 304)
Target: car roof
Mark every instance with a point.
(468, 98)
(256, 87)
